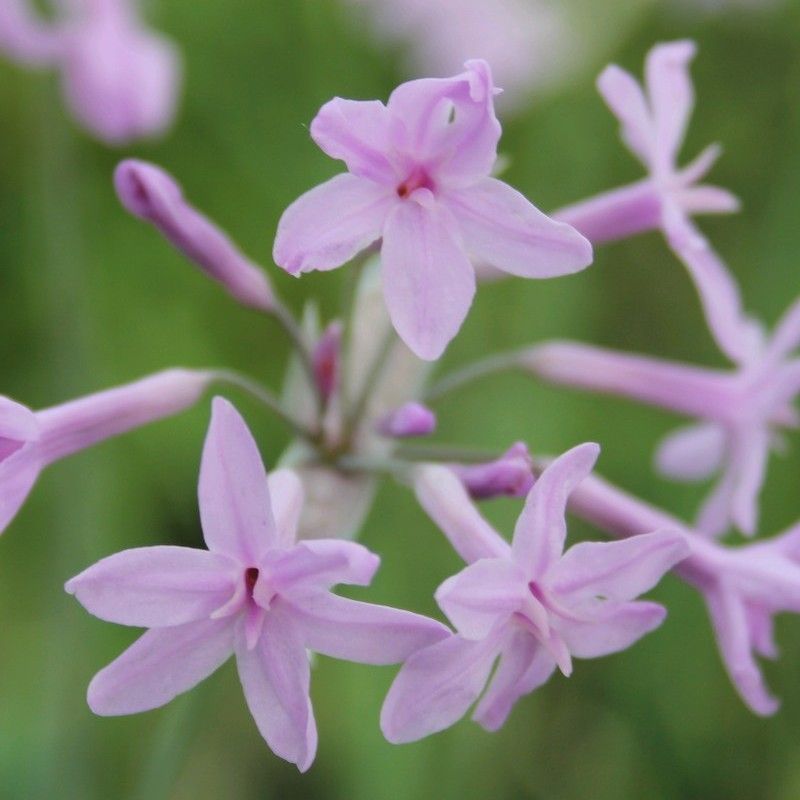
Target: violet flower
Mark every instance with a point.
(255, 593)
(511, 475)
(152, 194)
(410, 420)
(31, 441)
(419, 180)
(744, 587)
(525, 603)
(740, 413)
(120, 79)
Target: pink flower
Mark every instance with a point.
(150, 193)
(120, 79)
(327, 360)
(419, 179)
(410, 420)
(255, 593)
(511, 475)
(744, 587)
(740, 413)
(31, 441)
(526, 603)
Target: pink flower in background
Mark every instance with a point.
(511, 475)
(410, 420)
(152, 194)
(526, 603)
(120, 79)
(525, 41)
(419, 180)
(741, 413)
(31, 441)
(743, 587)
(255, 593)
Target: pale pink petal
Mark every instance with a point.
(25, 37)
(436, 687)
(319, 564)
(275, 677)
(616, 570)
(18, 474)
(692, 453)
(332, 223)
(428, 281)
(356, 132)
(730, 623)
(18, 426)
(671, 94)
(500, 227)
(761, 624)
(362, 632)
(155, 587)
(483, 594)
(541, 529)
(524, 666)
(714, 516)
(615, 628)
(625, 98)
(706, 199)
(235, 508)
(752, 469)
(160, 665)
(447, 503)
(287, 497)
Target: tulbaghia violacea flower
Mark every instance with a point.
(740, 413)
(743, 587)
(525, 41)
(410, 420)
(150, 193)
(120, 79)
(256, 593)
(419, 180)
(32, 440)
(511, 475)
(525, 603)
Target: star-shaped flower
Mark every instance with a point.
(419, 180)
(526, 603)
(255, 593)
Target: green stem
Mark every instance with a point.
(394, 467)
(444, 453)
(502, 362)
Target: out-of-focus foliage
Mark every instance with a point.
(90, 297)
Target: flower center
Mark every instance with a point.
(250, 580)
(418, 179)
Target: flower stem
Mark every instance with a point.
(501, 362)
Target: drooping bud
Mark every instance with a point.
(407, 421)
(510, 475)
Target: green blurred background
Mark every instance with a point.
(90, 297)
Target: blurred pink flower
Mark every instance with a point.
(31, 441)
(526, 603)
(120, 79)
(255, 593)
(511, 475)
(741, 413)
(410, 420)
(744, 587)
(419, 180)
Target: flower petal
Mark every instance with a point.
(705, 199)
(428, 281)
(447, 503)
(156, 587)
(671, 93)
(786, 337)
(692, 453)
(319, 564)
(436, 686)
(617, 570)
(524, 666)
(18, 474)
(287, 496)
(327, 226)
(625, 98)
(502, 228)
(356, 132)
(18, 426)
(483, 594)
(362, 632)
(160, 665)
(617, 627)
(541, 529)
(730, 622)
(275, 676)
(235, 508)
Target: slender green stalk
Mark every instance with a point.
(375, 465)
(501, 362)
(444, 453)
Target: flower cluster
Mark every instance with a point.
(418, 215)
